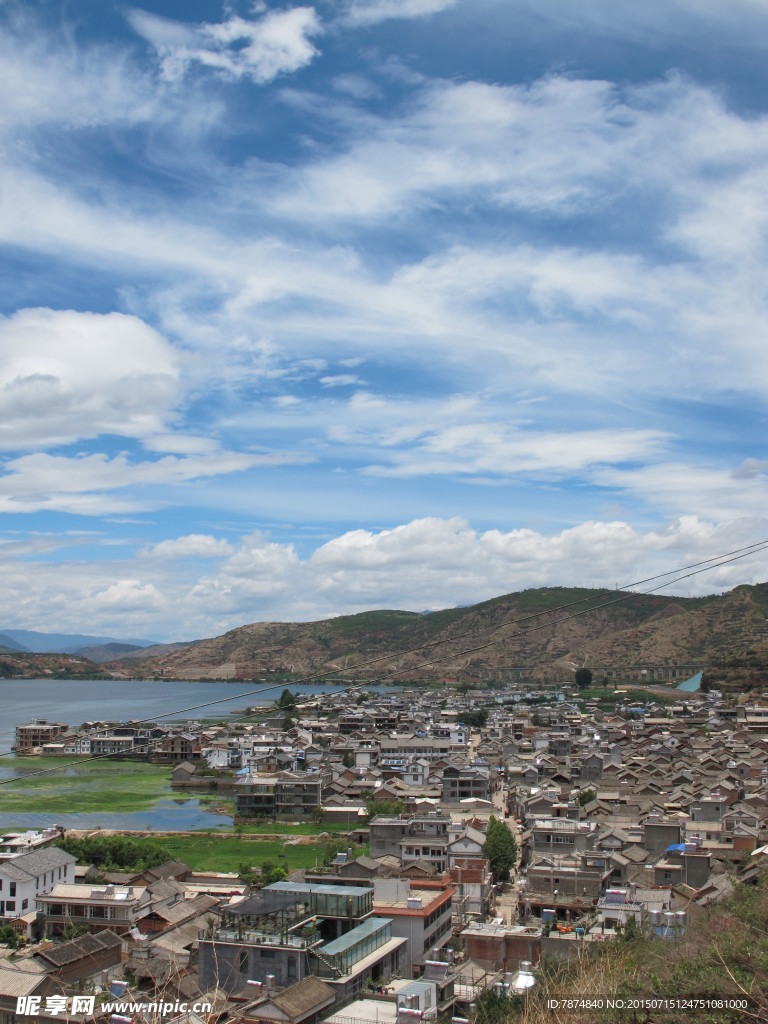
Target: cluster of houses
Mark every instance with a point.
(623, 816)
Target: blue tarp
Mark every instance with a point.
(676, 848)
(691, 685)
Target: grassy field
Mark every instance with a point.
(96, 786)
(211, 851)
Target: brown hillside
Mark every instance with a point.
(534, 633)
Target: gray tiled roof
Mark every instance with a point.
(35, 863)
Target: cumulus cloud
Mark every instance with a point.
(127, 595)
(259, 49)
(426, 563)
(67, 375)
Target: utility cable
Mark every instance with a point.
(626, 594)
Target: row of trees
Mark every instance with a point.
(115, 853)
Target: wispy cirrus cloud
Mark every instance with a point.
(371, 12)
(261, 48)
(470, 323)
(98, 484)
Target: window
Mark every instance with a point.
(244, 962)
(25, 904)
(10, 905)
(12, 889)
(291, 966)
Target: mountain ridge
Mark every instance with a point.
(534, 634)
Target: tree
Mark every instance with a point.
(475, 719)
(10, 937)
(500, 849)
(583, 678)
(390, 808)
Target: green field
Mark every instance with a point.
(96, 786)
(211, 851)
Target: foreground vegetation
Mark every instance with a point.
(723, 955)
(214, 851)
(207, 851)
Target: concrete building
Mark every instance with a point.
(28, 876)
(279, 794)
(36, 734)
(420, 912)
(289, 931)
(99, 907)
(502, 947)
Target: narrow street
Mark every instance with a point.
(506, 901)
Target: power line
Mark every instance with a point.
(687, 571)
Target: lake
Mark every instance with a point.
(78, 701)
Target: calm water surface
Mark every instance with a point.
(77, 701)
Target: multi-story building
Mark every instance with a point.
(26, 877)
(580, 876)
(288, 931)
(14, 843)
(412, 838)
(110, 743)
(466, 782)
(397, 751)
(117, 907)
(36, 734)
(560, 836)
(279, 794)
(422, 914)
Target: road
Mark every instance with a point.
(506, 901)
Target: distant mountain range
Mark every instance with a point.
(95, 648)
(536, 634)
(533, 635)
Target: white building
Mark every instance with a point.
(30, 875)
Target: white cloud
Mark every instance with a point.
(559, 145)
(67, 375)
(654, 24)
(71, 87)
(672, 486)
(426, 563)
(127, 595)
(194, 545)
(260, 49)
(492, 447)
(339, 380)
(371, 12)
(97, 484)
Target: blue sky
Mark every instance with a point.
(375, 303)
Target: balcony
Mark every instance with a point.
(257, 937)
